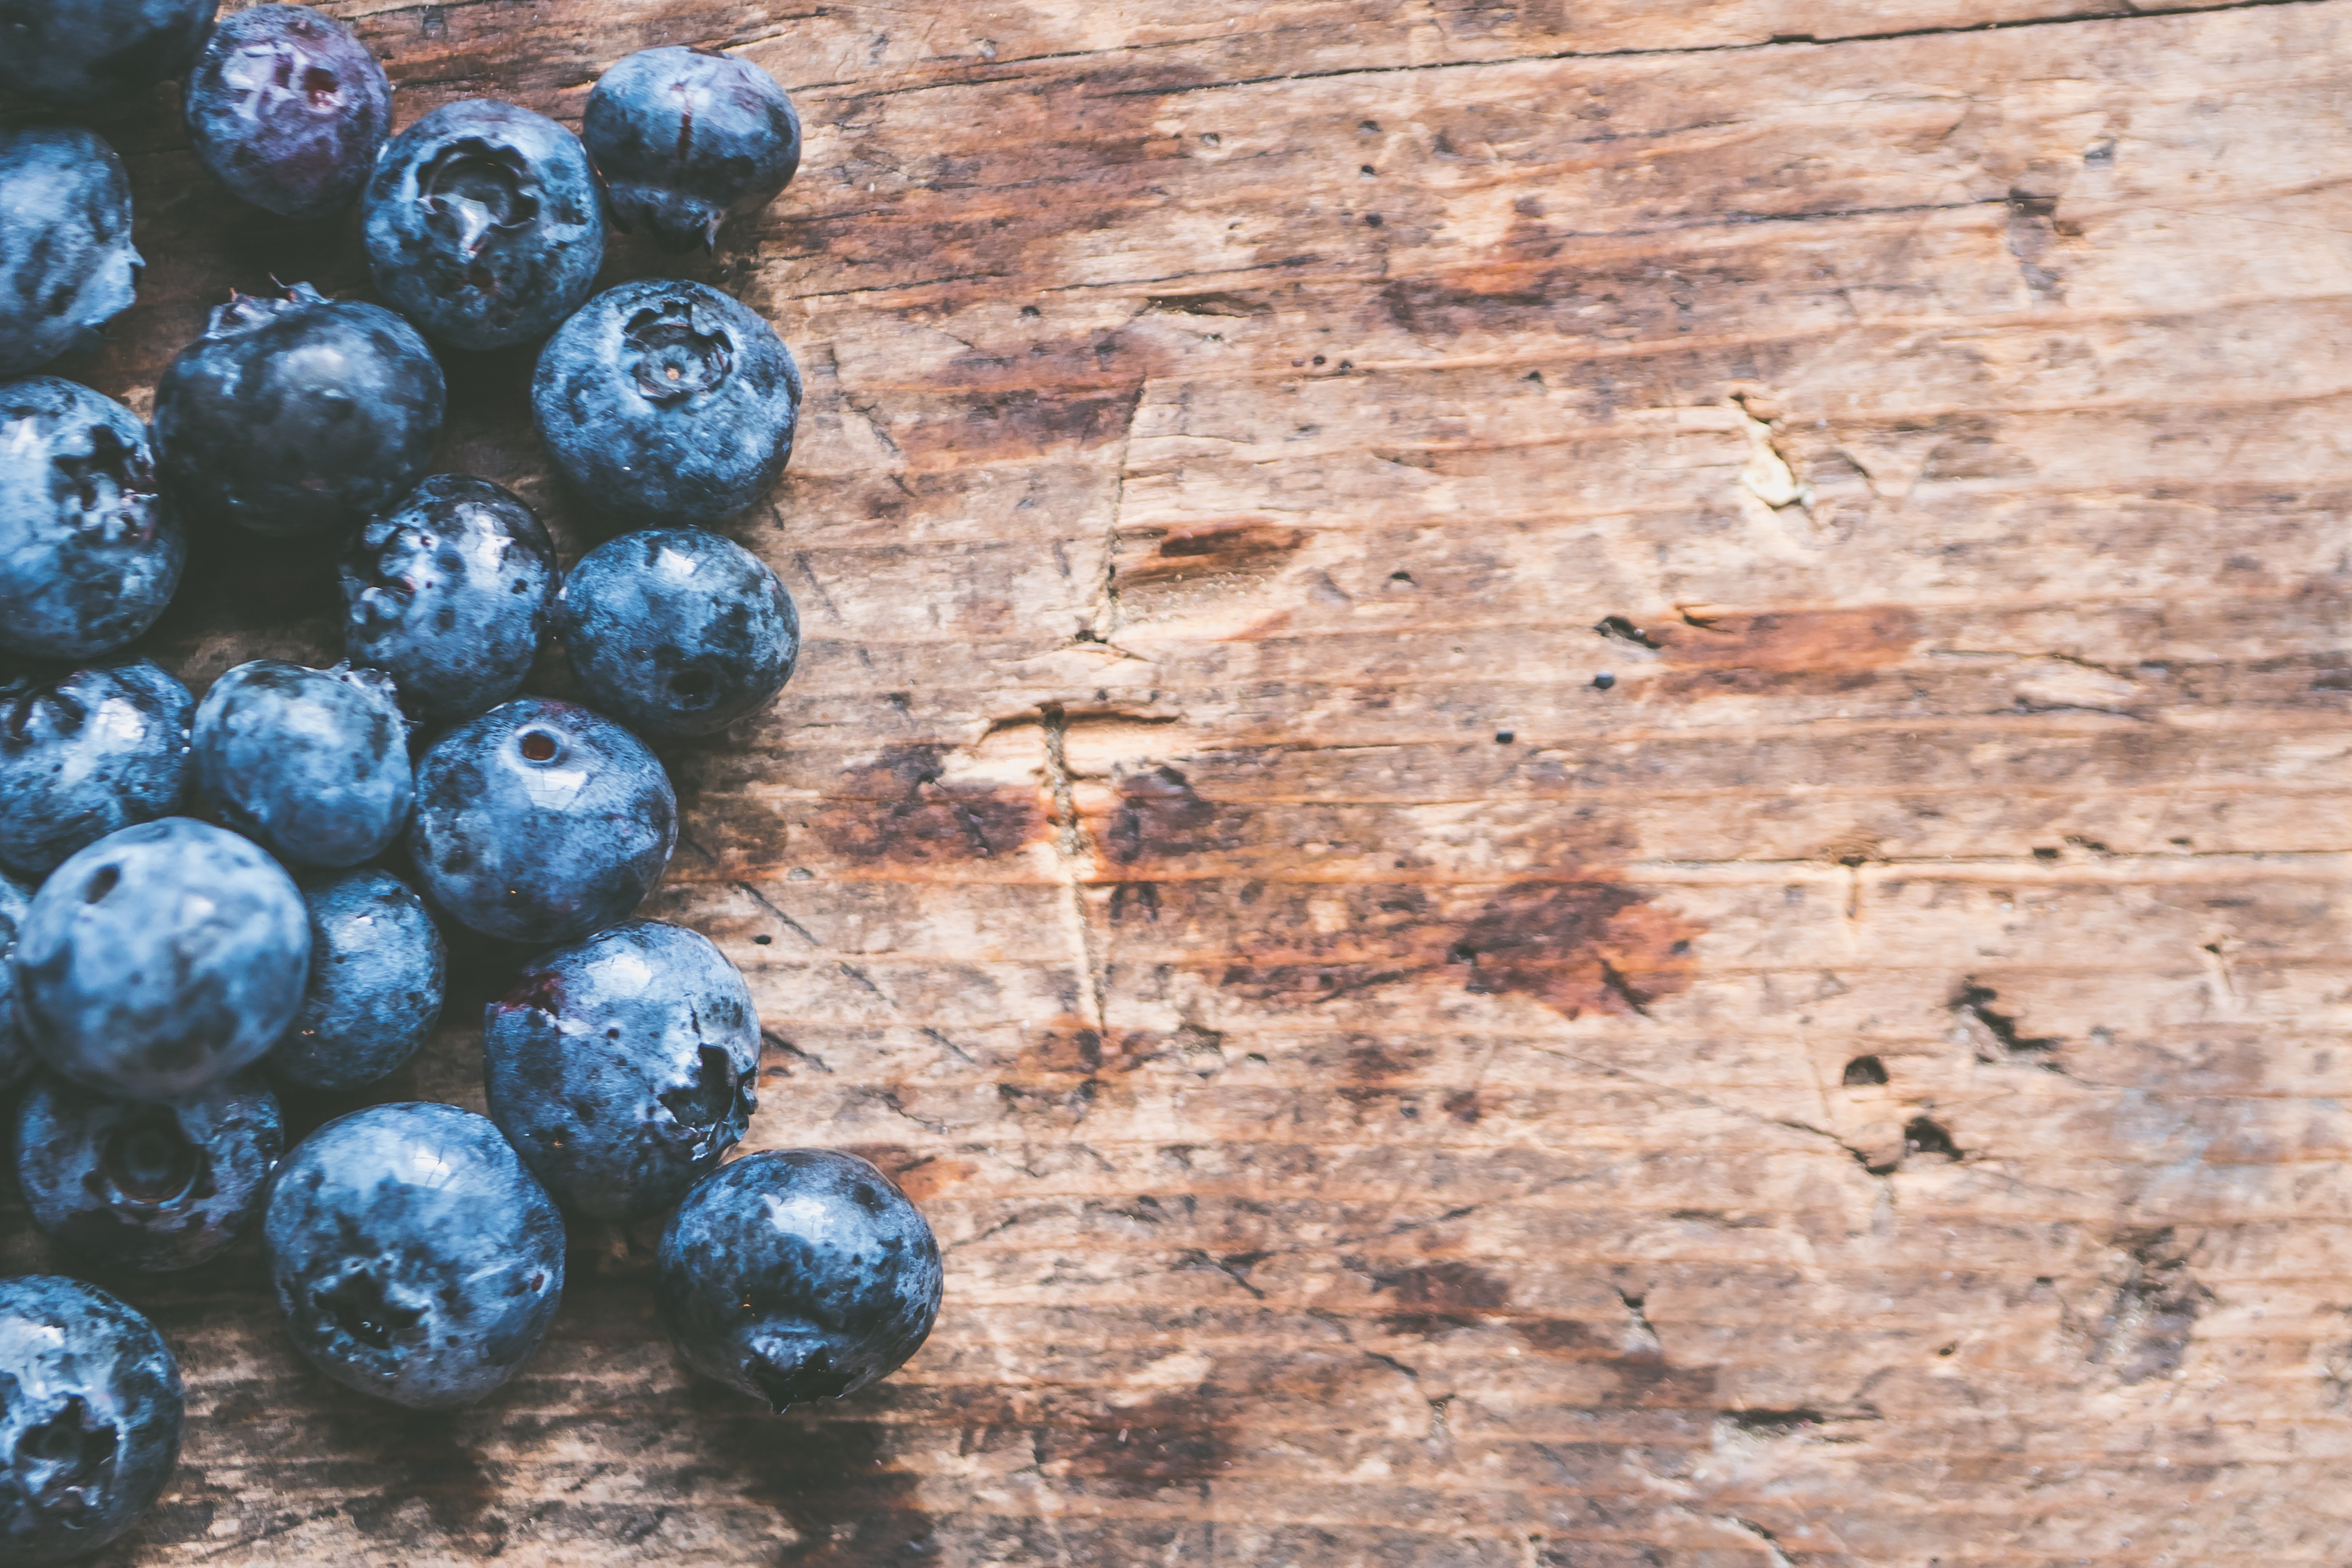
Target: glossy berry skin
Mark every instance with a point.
(17, 1058)
(312, 765)
(667, 402)
(90, 1429)
(623, 1070)
(798, 1274)
(378, 974)
(482, 225)
(413, 1256)
(148, 1187)
(66, 265)
(161, 959)
(89, 552)
(541, 821)
(684, 137)
(86, 752)
(298, 416)
(450, 596)
(677, 631)
(288, 110)
(78, 54)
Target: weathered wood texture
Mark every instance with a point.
(1859, 1084)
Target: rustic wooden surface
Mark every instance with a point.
(1570, 782)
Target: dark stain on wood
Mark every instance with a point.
(899, 810)
(1790, 652)
(1159, 816)
(1211, 550)
(1171, 1439)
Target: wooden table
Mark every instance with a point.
(1570, 782)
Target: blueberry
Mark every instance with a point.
(677, 631)
(84, 752)
(541, 821)
(131, 1185)
(312, 765)
(450, 596)
(414, 1257)
(90, 553)
(66, 265)
(624, 1068)
(482, 223)
(161, 959)
(299, 415)
(798, 1274)
(17, 1058)
(89, 1428)
(377, 973)
(684, 136)
(79, 53)
(667, 402)
(288, 110)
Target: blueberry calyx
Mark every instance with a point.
(149, 1163)
(473, 188)
(671, 359)
(66, 1458)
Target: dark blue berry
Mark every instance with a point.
(541, 821)
(450, 596)
(84, 752)
(482, 223)
(67, 267)
(798, 1274)
(89, 1428)
(667, 402)
(288, 110)
(677, 631)
(684, 137)
(414, 1257)
(621, 1070)
(299, 415)
(89, 552)
(134, 1185)
(161, 959)
(81, 53)
(377, 973)
(312, 765)
(17, 1058)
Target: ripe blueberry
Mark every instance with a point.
(414, 1257)
(541, 821)
(677, 631)
(378, 968)
(149, 1187)
(90, 1429)
(288, 110)
(667, 402)
(299, 415)
(482, 225)
(312, 765)
(67, 267)
(84, 752)
(450, 596)
(624, 1068)
(798, 1274)
(161, 959)
(79, 53)
(684, 136)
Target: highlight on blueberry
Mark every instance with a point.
(90, 1428)
(312, 765)
(677, 631)
(378, 974)
(78, 54)
(623, 1068)
(148, 1187)
(450, 595)
(66, 265)
(288, 108)
(683, 137)
(541, 821)
(300, 414)
(160, 959)
(667, 402)
(482, 223)
(17, 1058)
(86, 751)
(413, 1256)
(798, 1274)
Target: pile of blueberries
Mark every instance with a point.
(199, 896)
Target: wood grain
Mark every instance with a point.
(1570, 782)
